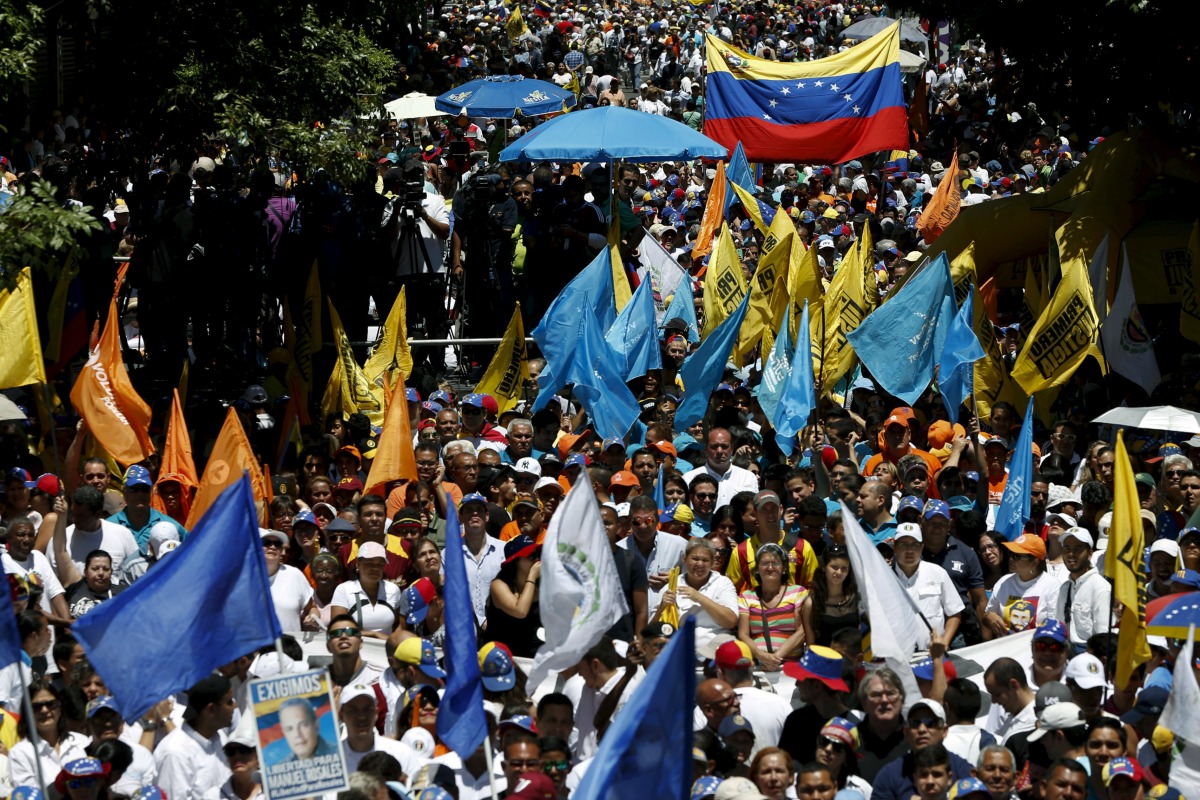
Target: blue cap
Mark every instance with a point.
(84, 768)
(668, 514)
(412, 395)
(473, 399)
(807, 216)
(924, 669)
(909, 502)
(473, 497)
(24, 476)
(855, 164)
(746, 224)
(304, 515)
(522, 721)
(971, 475)
(966, 786)
(1051, 629)
(1187, 577)
(611, 441)
(575, 460)
(935, 508)
(722, 387)
(499, 674)
(429, 405)
(822, 241)
(31, 793)
(732, 724)
(705, 786)
(960, 503)
(434, 793)
(442, 397)
(101, 703)
(137, 475)
(684, 442)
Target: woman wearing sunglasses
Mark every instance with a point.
(837, 748)
(56, 746)
(1025, 597)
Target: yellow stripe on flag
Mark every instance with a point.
(1125, 566)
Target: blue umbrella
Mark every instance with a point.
(505, 96)
(1173, 615)
(612, 133)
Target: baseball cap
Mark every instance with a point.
(1145, 479)
(349, 450)
(533, 785)
(496, 664)
(819, 663)
(372, 550)
(900, 416)
(101, 703)
(267, 533)
(1188, 532)
(522, 721)
(705, 786)
(960, 503)
(1051, 629)
(735, 654)
(520, 546)
(924, 669)
(23, 476)
(1187, 577)
(415, 599)
(843, 730)
(663, 447)
(575, 460)
(419, 652)
(909, 503)
(967, 787)
(1085, 671)
(1051, 692)
(474, 400)
(738, 789)
(933, 705)
(1150, 702)
(1122, 767)
(764, 497)
(544, 483)
(1165, 546)
(137, 475)
(80, 768)
(1078, 534)
(934, 508)
(677, 512)
(49, 484)
(1062, 520)
(473, 497)
(1029, 544)
(528, 466)
(1057, 717)
(161, 532)
(910, 462)
(34, 793)
(355, 691)
(658, 630)
(732, 724)
(908, 530)
(304, 516)
(612, 441)
(1058, 495)
(349, 485)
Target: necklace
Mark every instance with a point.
(845, 601)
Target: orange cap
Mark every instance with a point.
(900, 416)
(663, 447)
(1029, 544)
(624, 478)
(941, 433)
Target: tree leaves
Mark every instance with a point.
(40, 233)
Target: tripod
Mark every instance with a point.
(429, 302)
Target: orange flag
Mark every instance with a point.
(104, 396)
(943, 206)
(394, 459)
(231, 455)
(714, 213)
(177, 465)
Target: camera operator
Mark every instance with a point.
(486, 217)
(412, 209)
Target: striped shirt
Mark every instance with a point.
(781, 620)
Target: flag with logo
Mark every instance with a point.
(772, 264)
(177, 463)
(724, 283)
(508, 371)
(391, 360)
(355, 392)
(956, 364)
(20, 347)
(231, 457)
(826, 111)
(853, 294)
(1127, 343)
(634, 335)
(515, 25)
(1063, 337)
(1125, 566)
(776, 369)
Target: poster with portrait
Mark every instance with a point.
(298, 743)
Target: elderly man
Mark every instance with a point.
(718, 452)
(520, 441)
(924, 725)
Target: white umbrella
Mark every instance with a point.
(911, 62)
(413, 105)
(10, 410)
(1154, 418)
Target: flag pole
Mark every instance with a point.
(487, 760)
(53, 429)
(34, 739)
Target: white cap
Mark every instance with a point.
(267, 533)
(167, 547)
(738, 789)
(1064, 520)
(1058, 717)
(932, 705)
(419, 740)
(1086, 671)
(529, 466)
(622, 510)
(544, 482)
(1056, 495)
(1080, 534)
(908, 530)
(1165, 546)
(160, 533)
(357, 690)
(1103, 525)
(372, 550)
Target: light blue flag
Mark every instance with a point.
(205, 606)
(738, 172)
(646, 752)
(1014, 504)
(590, 292)
(598, 375)
(777, 368)
(659, 498)
(900, 342)
(956, 371)
(702, 370)
(800, 395)
(634, 336)
(683, 306)
(461, 722)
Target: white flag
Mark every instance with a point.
(1179, 716)
(1127, 344)
(1098, 276)
(896, 633)
(664, 271)
(580, 597)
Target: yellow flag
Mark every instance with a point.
(1189, 310)
(20, 348)
(852, 295)
(356, 392)
(622, 294)
(724, 283)
(1124, 564)
(1034, 301)
(804, 283)
(392, 358)
(779, 304)
(307, 333)
(670, 613)
(773, 264)
(1062, 337)
(56, 312)
(515, 26)
(506, 375)
(331, 399)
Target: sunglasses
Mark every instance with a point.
(560, 766)
(833, 744)
(339, 537)
(1048, 646)
(932, 723)
(700, 496)
(48, 705)
(343, 633)
(272, 544)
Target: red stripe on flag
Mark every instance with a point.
(833, 142)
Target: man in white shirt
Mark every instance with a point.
(600, 674)
(484, 554)
(718, 452)
(1085, 598)
(660, 550)
(357, 712)
(90, 532)
(929, 586)
(191, 763)
(431, 219)
(1013, 705)
(21, 558)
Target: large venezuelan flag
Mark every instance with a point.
(826, 111)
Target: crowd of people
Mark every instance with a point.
(708, 521)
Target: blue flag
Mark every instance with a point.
(646, 752)
(590, 292)
(800, 395)
(776, 369)
(1014, 504)
(702, 370)
(738, 172)
(205, 606)
(683, 306)
(659, 498)
(634, 336)
(461, 723)
(10, 637)
(956, 370)
(900, 342)
(600, 386)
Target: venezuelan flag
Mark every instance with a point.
(543, 9)
(826, 111)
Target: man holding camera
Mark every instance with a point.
(416, 225)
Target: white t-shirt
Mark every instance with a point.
(291, 593)
(378, 616)
(1031, 601)
(766, 712)
(113, 539)
(410, 760)
(38, 564)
